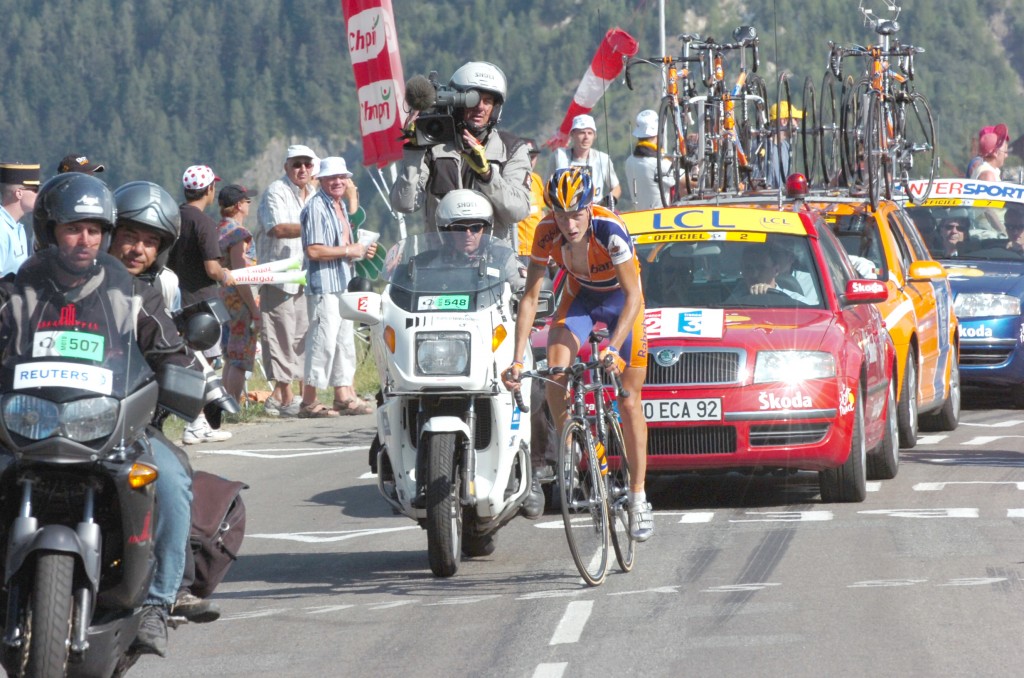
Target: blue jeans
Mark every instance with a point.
(173, 522)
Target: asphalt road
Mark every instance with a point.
(745, 576)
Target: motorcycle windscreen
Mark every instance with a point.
(449, 272)
(67, 346)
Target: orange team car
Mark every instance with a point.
(766, 350)
(885, 244)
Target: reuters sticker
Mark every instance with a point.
(847, 400)
(964, 272)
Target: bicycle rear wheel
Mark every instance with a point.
(618, 497)
(584, 505)
(853, 132)
(829, 119)
(752, 123)
(671, 153)
(917, 156)
(878, 143)
(809, 134)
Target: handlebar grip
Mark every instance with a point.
(518, 395)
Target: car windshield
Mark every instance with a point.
(754, 271)
(978, 233)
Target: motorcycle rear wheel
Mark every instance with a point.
(444, 510)
(49, 624)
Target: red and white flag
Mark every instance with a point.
(380, 87)
(604, 68)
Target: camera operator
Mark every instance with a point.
(476, 155)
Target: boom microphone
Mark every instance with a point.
(420, 95)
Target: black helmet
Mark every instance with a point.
(149, 206)
(72, 197)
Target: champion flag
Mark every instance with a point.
(380, 87)
(604, 68)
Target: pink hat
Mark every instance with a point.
(198, 177)
(989, 143)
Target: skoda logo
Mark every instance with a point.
(666, 357)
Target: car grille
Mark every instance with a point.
(694, 367)
(691, 440)
(970, 355)
(780, 435)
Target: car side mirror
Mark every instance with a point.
(865, 292)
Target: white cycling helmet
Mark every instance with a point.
(463, 206)
(484, 77)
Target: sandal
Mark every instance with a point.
(353, 406)
(315, 410)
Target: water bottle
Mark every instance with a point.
(602, 458)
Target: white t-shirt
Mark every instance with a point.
(602, 171)
(642, 181)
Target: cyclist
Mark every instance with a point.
(602, 285)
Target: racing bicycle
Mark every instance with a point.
(592, 476)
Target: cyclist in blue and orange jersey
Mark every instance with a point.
(602, 285)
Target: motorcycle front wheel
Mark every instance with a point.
(49, 624)
(444, 511)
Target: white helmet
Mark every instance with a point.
(463, 205)
(484, 77)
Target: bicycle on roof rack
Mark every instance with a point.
(675, 163)
(885, 134)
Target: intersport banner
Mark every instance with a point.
(380, 87)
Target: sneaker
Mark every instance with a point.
(204, 434)
(195, 609)
(152, 635)
(641, 521)
(274, 408)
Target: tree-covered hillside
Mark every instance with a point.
(152, 86)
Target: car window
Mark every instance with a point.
(722, 273)
(858, 234)
(913, 237)
(902, 248)
(836, 260)
(984, 237)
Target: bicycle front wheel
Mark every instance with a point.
(827, 129)
(671, 153)
(917, 155)
(879, 155)
(618, 495)
(584, 507)
(809, 134)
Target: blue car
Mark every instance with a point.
(976, 229)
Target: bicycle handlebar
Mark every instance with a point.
(575, 371)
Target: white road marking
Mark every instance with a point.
(322, 609)
(925, 513)
(931, 440)
(255, 614)
(550, 594)
(570, 627)
(739, 588)
(1015, 513)
(388, 606)
(551, 670)
(999, 424)
(659, 589)
(882, 583)
(282, 454)
(784, 517)
(696, 517)
(985, 440)
(874, 486)
(312, 538)
(974, 581)
(933, 487)
(463, 600)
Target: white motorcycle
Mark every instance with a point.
(454, 453)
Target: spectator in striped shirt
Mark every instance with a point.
(329, 251)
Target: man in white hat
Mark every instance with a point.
(283, 307)
(330, 249)
(642, 164)
(581, 152)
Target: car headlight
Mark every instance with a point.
(442, 353)
(80, 420)
(793, 366)
(977, 305)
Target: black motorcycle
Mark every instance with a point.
(77, 492)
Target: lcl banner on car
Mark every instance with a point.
(380, 87)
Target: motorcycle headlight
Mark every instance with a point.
(443, 354)
(986, 305)
(793, 366)
(80, 420)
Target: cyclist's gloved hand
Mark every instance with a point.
(476, 156)
(510, 377)
(612, 361)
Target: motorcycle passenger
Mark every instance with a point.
(497, 164)
(72, 222)
(603, 285)
(147, 226)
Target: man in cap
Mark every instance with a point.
(582, 153)
(283, 307)
(785, 120)
(78, 163)
(195, 258)
(642, 164)
(19, 183)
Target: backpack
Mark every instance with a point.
(218, 526)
